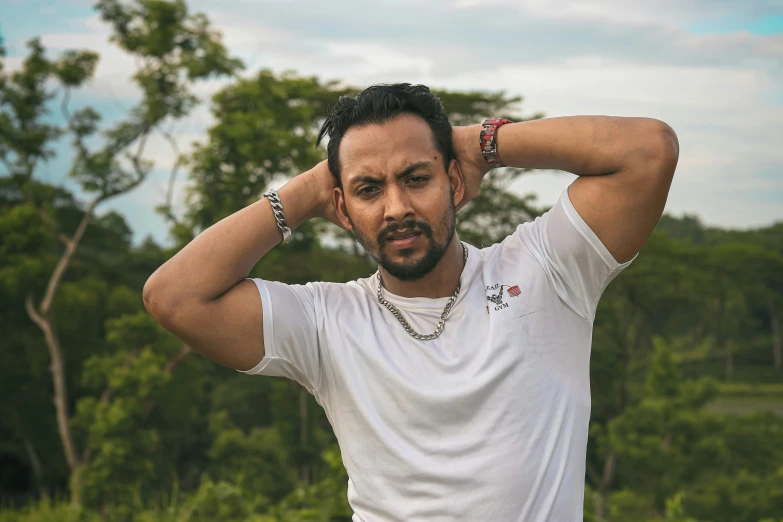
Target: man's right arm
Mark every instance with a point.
(202, 295)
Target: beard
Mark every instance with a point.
(411, 269)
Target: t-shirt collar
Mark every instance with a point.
(467, 276)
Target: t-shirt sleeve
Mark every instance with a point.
(576, 262)
(292, 345)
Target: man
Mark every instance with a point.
(456, 379)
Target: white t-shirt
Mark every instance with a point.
(488, 421)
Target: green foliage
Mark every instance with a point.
(47, 510)
(163, 435)
(744, 389)
(266, 126)
(255, 461)
(176, 47)
(324, 501)
(173, 49)
(23, 136)
(218, 501)
(121, 447)
(22, 255)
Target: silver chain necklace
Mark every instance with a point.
(441, 323)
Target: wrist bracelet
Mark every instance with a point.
(277, 208)
(488, 141)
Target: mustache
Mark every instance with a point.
(412, 224)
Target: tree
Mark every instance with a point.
(173, 48)
(656, 294)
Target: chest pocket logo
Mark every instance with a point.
(495, 295)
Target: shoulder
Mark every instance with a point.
(353, 288)
(350, 295)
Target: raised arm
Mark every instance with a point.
(201, 294)
(625, 167)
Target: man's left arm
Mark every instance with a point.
(625, 166)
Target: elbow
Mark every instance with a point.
(152, 297)
(652, 151)
(664, 149)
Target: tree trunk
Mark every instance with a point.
(634, 336)
(304, 470)
(604, 487)
(61, 402)
(76, 486)
(61, 397)
(43, 317)
(777, 342)
(722, 342)
(60, 388)
(35, 463)
(729, 361)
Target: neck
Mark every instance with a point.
(440, 282)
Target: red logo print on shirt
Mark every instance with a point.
(514, 291)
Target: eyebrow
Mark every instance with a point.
(409, 169)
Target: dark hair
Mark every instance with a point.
(379, 104)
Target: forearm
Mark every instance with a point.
(223, 255)
(582, 145)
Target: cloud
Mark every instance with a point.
(722, 92)
(663, 12)
(608, 57)
(521, 32)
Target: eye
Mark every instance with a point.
(364, 191)
(417, 179)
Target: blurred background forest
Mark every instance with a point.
(105, 416)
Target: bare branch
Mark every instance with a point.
(177, 358)
(106, 396)
(83, 152)
(58, 377)
(64, 105)
(32, 455)
(169, 213)
(174, 361)
(596, 480)
(136, 162)
(142, 144)
(35, 462)
(32, 312)
(609, 465)
(64, 239)
(65, 260)
(41, 317)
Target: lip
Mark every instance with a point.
(406, 242)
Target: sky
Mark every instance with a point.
(712, 69)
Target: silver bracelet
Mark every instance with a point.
(277, 208)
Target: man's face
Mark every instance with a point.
(397, 197)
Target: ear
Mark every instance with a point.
(457, 181)
(340, 210)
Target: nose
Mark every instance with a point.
(398, 205)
